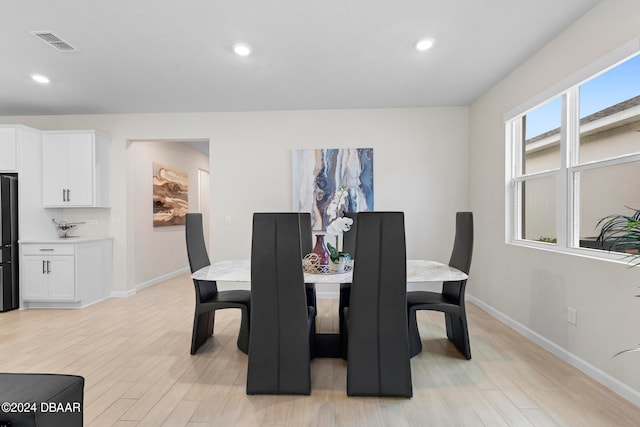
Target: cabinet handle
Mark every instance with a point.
(68, 195)
(48, 271)
(64, 195)
(46, 249)
(44, 271)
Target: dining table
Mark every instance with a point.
(418, 271)
(329, 344)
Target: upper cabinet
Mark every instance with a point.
(75, 169)
(21, 153)
(8, 149)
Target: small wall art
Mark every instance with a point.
(319, 173)
(170, 196)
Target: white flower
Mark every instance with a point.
(332, 210)
(339, 200)
(339, 225)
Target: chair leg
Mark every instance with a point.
(310, 289)
(345, 296)
(458, 333)
(202, 329)
(450, 322)
(210, 323)
(312, 335)
(415, 342)
(344, 333)
(243, 334)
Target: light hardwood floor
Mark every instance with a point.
(134, 355)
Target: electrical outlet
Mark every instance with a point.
(227, 220)
(572, 315)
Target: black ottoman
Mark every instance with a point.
(42, 400)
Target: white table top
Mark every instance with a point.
(417, 271)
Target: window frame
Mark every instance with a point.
(567, 174)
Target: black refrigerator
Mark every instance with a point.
(9, 239)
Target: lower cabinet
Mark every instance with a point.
(49, 278)
(68, 274)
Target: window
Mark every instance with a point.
(575, 158)
(539, 144)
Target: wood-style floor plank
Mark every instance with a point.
(134, 355)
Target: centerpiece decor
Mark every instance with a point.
(339, 224)
(328, 259)
(321, 250)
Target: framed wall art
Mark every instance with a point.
(320, 174)
(170, 196)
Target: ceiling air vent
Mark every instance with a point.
(54, 41)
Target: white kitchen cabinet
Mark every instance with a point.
(48, 278)
(65, 273)
(8, 149)
(75, 169)
(21, 153)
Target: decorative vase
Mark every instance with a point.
(344, 262)
(321, 250)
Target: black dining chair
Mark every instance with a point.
(306, 246)
(378, 362)
(208, 298)
(349, 246)
(451, 300)
(282, 330)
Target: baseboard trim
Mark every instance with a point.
(123, 294)
(327, 294)
(62, 305)
(327, 290)
(154, 281)
(597, 374)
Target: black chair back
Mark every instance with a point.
(463, 243)
(306, 246)
(460, 255)
(196, 249)
(306, 235)
(349, 237)
(279, 353)
(378, 346)
(349, 246)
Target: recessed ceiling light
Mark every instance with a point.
(40, 78)
(425, 44)
(242, 49)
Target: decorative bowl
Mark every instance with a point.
(65, 227)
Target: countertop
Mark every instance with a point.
(68, 240)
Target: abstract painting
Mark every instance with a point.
(319, 173)
(170, 196)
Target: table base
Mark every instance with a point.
(328, 345)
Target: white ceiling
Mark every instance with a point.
(175, 55)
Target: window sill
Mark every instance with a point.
(595, 254)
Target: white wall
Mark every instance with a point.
(534, 287)
(158, 251)
(420, 167)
